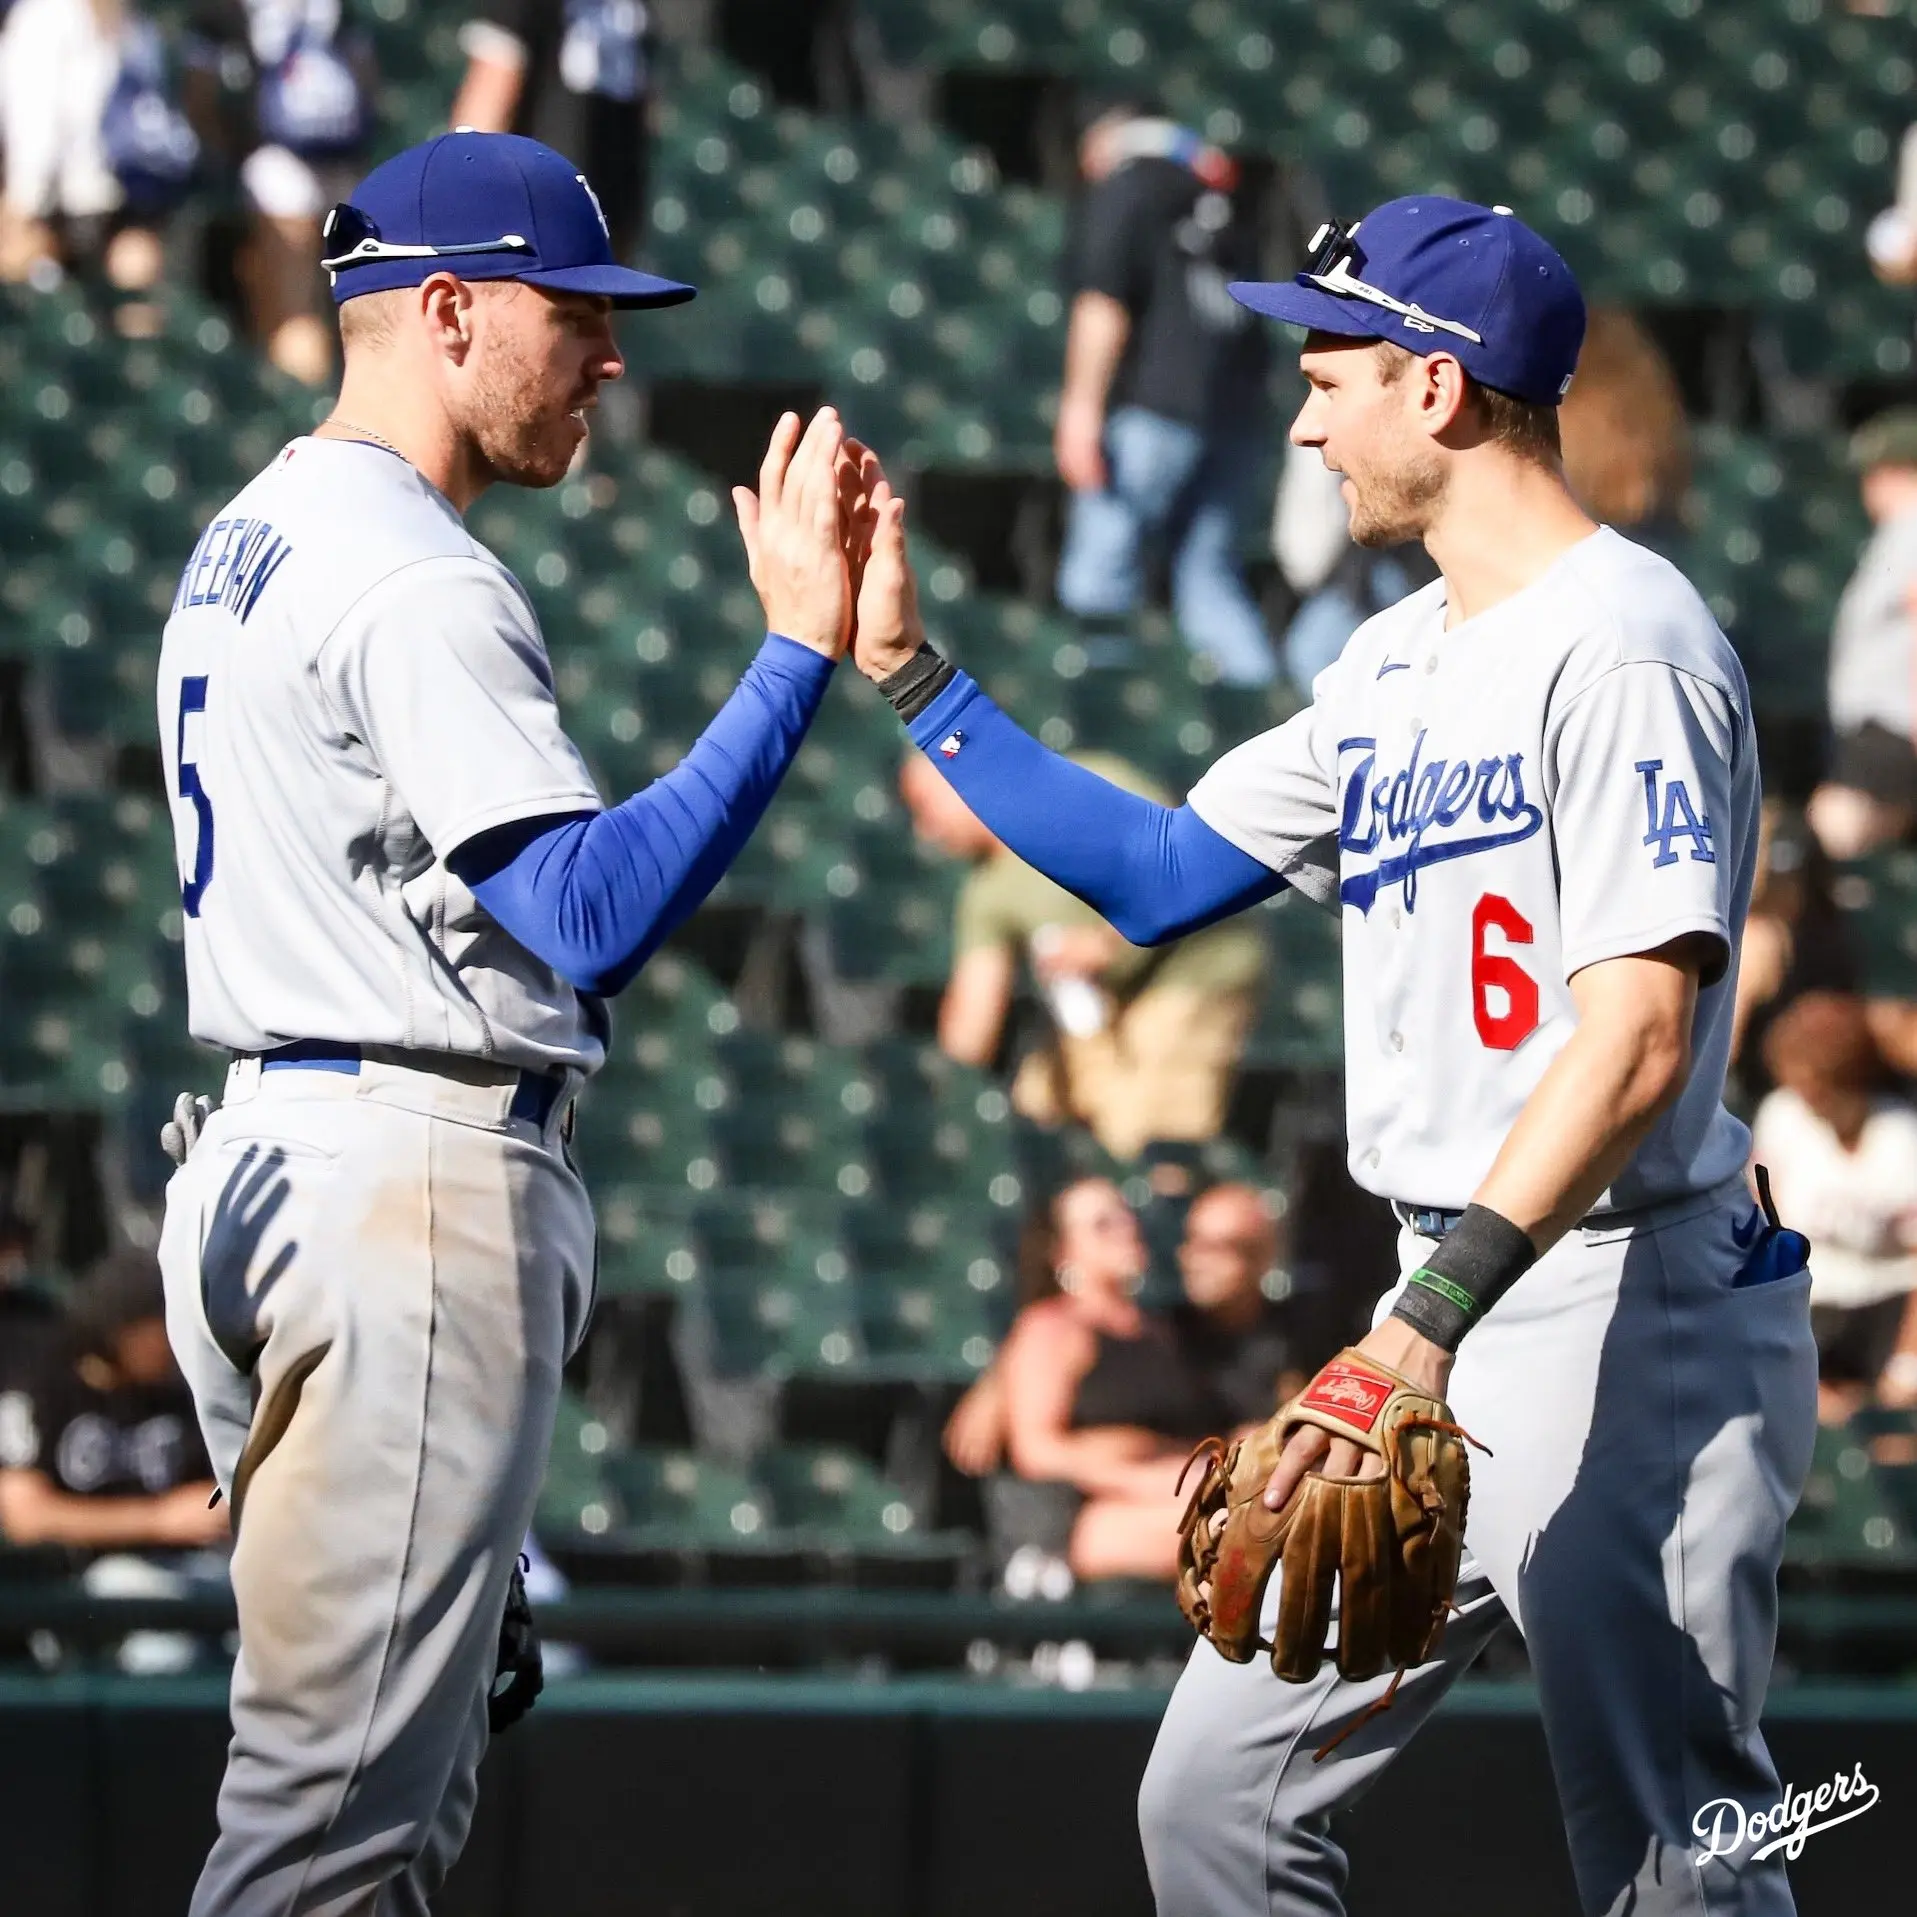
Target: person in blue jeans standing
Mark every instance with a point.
(1160, 420)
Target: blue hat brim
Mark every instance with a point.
(1311, 307)
(627, 289)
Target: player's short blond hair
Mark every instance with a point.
(371, 320)
(1522, 427)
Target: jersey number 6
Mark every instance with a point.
(1506, 1030)
(193, 699)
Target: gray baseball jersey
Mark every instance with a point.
(350, 688)
(1566, 778)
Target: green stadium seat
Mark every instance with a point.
(947, 1245)
(1301, 1019)
(680, 1500)
(831, 1499)
(1846, 1518)
(1878, 897)
(790, 1315)
(646, 1242)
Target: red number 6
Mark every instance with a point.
(1498, 972)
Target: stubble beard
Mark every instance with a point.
(514, 428)
(1393, 508)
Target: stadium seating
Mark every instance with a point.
(839, 1215)
(1849, 1518)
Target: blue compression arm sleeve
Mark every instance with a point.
(1155, 871)
(595, 897)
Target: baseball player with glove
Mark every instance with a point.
(406, 906)
(1531, 792)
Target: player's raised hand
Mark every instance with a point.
(794, 541)
(886, 630)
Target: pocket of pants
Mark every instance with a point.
(1779, 1255)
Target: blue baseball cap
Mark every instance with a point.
(487, 206)
(1433, 274)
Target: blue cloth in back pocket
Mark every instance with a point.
(1778, 1252)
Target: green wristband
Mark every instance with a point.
(1476, 1262)
(1446, 1289)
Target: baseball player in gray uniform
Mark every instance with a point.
(405, 906)
(1531, 792)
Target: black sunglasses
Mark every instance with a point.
(1333, 243)
(353, 240)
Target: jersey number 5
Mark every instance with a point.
(1503, 1029)
(193, 699)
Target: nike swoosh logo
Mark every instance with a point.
(1742, 1237)
(1394, 665)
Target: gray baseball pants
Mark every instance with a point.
(373, 1281)
(1650, 1429)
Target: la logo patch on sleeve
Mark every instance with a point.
(950, 744)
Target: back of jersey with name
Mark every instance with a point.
(351, 687)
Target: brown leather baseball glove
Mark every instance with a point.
(1392, 1542)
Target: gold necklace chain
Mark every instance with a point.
(366, 432)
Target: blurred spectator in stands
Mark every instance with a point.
(1097, 1405)
(1233, 1323)
(1795, 939)
(576, 74)
(1891, 238)
(1870, 796)
(1841, 1150)
(1232, 1326)
(30, 1327)
(1145, 1042)
(1627, 444)
(109, 1455)
(1162, 429)
(95, 151)
(283, 90)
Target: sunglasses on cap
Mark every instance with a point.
(1335, 250)
(354, 241)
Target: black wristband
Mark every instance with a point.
(918, 682)
(1476, 1262)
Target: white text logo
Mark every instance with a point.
(1724, 1825)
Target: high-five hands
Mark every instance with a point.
(886, 629)
(807, 530)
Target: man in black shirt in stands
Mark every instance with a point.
(1233, 1324)
(105, 1453)
(575, 74)
(1161, 420)
(29, 1325)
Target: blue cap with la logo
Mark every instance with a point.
(1433, 275)
(486, 206)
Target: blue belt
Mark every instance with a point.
(1428, 1221)
(1432, 1221)
(533, 1097)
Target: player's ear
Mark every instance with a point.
(448, 306)
(1443, 393)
